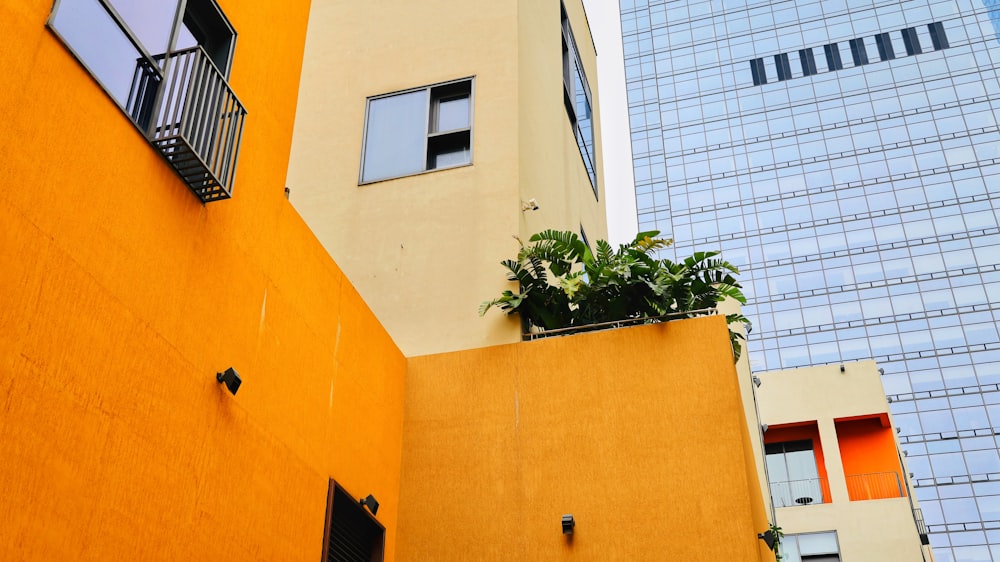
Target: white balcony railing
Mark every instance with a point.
(794, 493)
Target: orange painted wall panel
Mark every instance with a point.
(122, 296)
(638, 432)
(871, 463)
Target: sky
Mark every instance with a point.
(619, 185)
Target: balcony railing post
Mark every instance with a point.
(793, 493)
(196, 120)
(874, 486)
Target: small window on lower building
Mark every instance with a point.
(351, 533)
(793, 473)
(811, 547)
(418, 130)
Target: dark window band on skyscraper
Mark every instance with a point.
(911, 41)
(757, 70)
(884, 44)
(938, 38)
(858, 52)
(808, 62)
(833, 61)
(784, 68)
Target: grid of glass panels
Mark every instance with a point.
(861, 202)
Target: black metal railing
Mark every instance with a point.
(918, 518)
(193, 117)
(541, 333)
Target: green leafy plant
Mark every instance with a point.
(778, 535)
(563, 284)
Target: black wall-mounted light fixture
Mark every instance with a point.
(843, 369)
(756, 380)
(763, 427)
(769, 538)
(568, 523)
(371, 503)
(231, 379)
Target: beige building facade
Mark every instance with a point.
(839, 486)
(428, 136)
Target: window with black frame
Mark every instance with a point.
(577, 98)
(792, 473)
(418, 130)
(811, 547)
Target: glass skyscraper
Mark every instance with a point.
(846, 155)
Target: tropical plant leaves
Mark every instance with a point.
(562, 283)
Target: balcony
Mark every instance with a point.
(918, 518)
(874, 486)
(192, 117)
(794, 493)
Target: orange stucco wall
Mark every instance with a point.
(122, 296)
(868, 451)
(801, 432)
(638, 432)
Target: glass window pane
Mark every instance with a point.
(453, 155)
(100, 43)
(818, 543)
(452, 113)
(149, 20)
(396, 132)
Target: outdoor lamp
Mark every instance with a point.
(768, 537)
(231, 379)
(568, 523)
(371, 503)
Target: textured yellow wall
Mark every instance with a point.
(122, 297)
(425, 250)
(639, 432)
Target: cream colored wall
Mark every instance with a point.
(553, 172)
(813, 393)
(883, 529)
(424, 251)
(748, 391)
